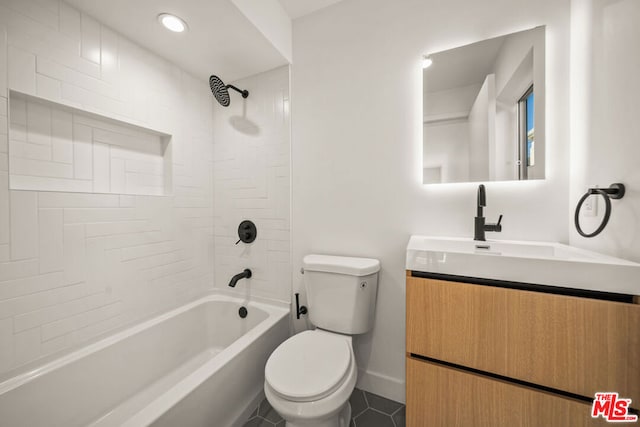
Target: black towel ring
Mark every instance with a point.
(615, 191)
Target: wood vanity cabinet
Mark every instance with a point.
(480, 355)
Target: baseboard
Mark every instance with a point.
(383, 385)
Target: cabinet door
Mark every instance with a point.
(438, 396)
(573, 344)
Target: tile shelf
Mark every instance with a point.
(58, 147)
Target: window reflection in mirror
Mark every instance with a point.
(526, 146)
(483, 119)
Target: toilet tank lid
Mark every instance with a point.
(341, 264)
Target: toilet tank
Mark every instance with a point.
(341, 292)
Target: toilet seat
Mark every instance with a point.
(309, 366)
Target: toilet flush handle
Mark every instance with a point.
(300, 309)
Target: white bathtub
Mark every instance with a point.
(198, 365)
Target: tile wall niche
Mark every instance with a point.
(56, 148)
(76, 265)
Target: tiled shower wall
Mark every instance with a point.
(74, 265)
(252, 181)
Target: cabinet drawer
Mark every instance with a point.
(439, 396)
(572, 344)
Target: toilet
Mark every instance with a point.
(310, 377)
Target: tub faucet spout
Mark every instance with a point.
(246, 274)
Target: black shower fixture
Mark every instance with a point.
(221, 91)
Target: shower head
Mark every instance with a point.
(221, 91)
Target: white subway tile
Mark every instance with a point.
(33, 37)
(70, 76)
(61, 311)
(74, 253)
(110, 63)
(120, 227)
(4, 108)
(24, 225)
(3, 60)
(117, 176)
(22, 71)
(18, 269)
(101, 327)
(147, 250)
(61, 327)
(101, 168)
(48, 88)
(37, 183)
(4, 144)
(56, 47)
(39, 300)
(61, 136)
(18, 108)
(82, 152)
(27, 346)
(127, 201)
(30, 285)
(18, 132)
(90, 31)
(39, 168)
(84, 215)
(117, 128)
(4, 208)
(129, 240)
(6, 344)
(69, 21)
(43, 12)
(92, 101)
(90, 67)
(61, 200)
(38, 123)
(27, 150)
(130, 147)
(51, 241)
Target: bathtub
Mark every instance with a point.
(198, 365)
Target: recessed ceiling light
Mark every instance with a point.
(426, 62)
(172, 22)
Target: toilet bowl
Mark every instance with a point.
(310, 377)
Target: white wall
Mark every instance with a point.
(482, 118)
(456, 100)
(251, 164)
(605, 144)
(447, 148)
(270, 18)
(506, 141)
(75, 265)
(357, 146)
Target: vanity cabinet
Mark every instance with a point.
(488, 354)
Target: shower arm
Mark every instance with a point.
(244, 93)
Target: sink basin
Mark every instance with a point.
(544, 263)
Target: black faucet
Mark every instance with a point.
(480, 226)
(246, 274)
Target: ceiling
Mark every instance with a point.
(462, 66)
(220, 39)
(299, 8)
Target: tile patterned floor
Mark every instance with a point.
(367, 410)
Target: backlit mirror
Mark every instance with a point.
(483, 110)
